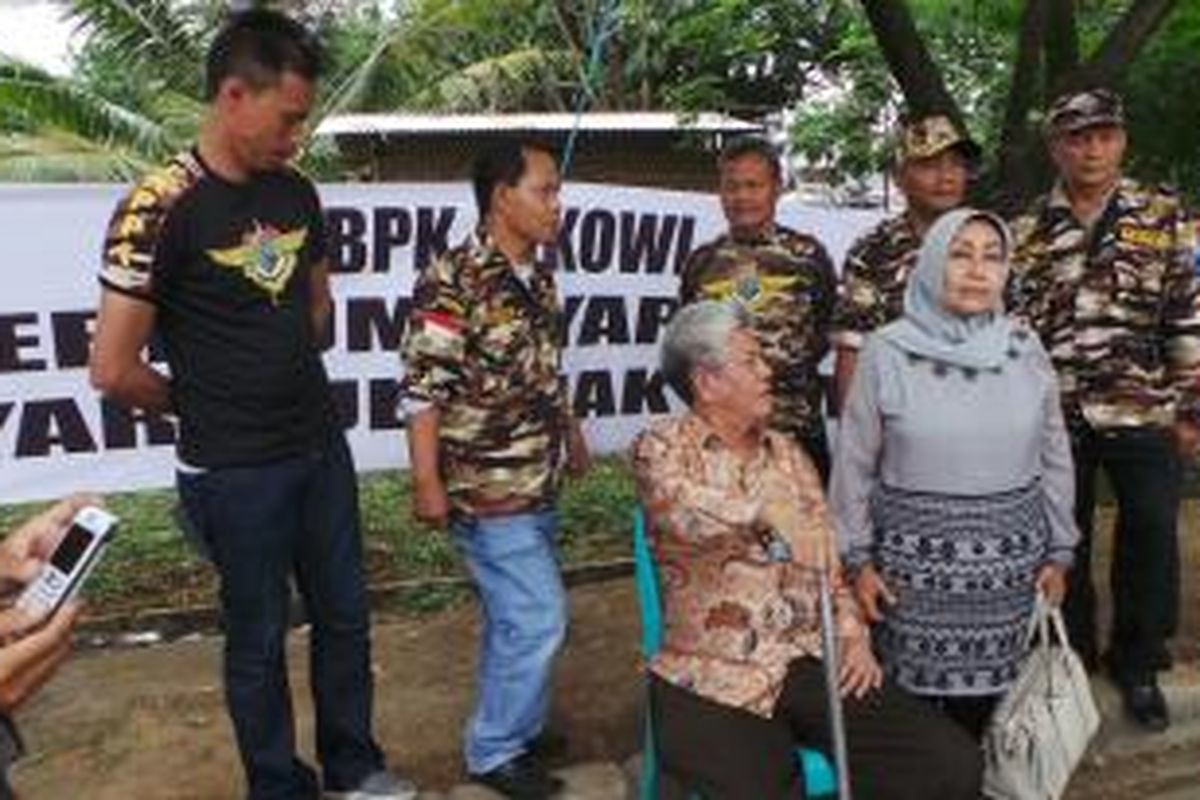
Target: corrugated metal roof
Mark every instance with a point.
(599, 121)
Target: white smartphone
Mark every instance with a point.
(71, 562)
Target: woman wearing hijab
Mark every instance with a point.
(953, 486)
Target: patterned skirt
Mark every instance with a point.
(962, 569)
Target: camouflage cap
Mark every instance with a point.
(925, 137)
(1077, 110)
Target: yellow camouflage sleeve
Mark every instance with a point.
(434, 346)
(1181, 317)
(133, 240)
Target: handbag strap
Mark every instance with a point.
(1047, 619)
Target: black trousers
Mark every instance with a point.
(1146, 475)
(816, 447)
(900, 748)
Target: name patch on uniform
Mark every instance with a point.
(1144, 237)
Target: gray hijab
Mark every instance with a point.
(927, 329)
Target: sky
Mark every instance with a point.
(33, 31)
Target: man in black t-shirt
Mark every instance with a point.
(221, 253)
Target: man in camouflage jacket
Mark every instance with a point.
(488, 423)
(783, 278)
(1104, 269)
(934, 160)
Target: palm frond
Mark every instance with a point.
(161, 36)
(35, 101)
(55, 156)
(522, 79)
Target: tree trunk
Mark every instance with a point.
(1014, 181)
(908, 59)
(1062, 42)
(1048, 27)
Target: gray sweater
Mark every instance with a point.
(920, 425)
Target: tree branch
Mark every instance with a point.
(1062, 40)
(1015, 144)
(908, 58)
(1121, 45)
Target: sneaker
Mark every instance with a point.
(381, 785)
(523, 778)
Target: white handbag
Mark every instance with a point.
(1042, 727)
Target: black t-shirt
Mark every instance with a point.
(228, 267)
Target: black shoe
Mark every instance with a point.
(523, 778)
(1145, 703)
(549, 745)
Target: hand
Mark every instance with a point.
(780, 511)
(430, 503)
(1187, 438)
(27, 663)
(1051, 581)
(24, 550)
(859, 672)
(869, 589)
(579, 458)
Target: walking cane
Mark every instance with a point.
(836, 721)
(778, 549)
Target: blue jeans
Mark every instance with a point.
(514, 560)
(263, 524)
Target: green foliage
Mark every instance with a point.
(845, 133)
(974, 44)
(135, 94)
(746, 56)
(1163, 104)
(70, 130)
(150, 565)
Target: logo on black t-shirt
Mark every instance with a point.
(267, 257)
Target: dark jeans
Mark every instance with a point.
(1145, 472)
(262, 525)
(900, 748)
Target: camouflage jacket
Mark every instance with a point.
(482, 345)
(874, 275)
(787, 283)
(1116, 305)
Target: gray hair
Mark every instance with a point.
(698, 336)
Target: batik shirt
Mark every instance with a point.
(786, 281)
(1115, 305)
(735, 613)
(483, 346)
(874, 275)
(228, 268)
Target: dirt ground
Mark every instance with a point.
(149, 724)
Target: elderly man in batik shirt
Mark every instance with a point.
(783, 278)
(934, 160)
(1104, 271)
(488, 424)
(739, 529)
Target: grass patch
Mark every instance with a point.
(150, 564)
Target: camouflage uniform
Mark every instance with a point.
(1116, 305)
(483, 345)
(876, 271)
(786, 281)
(877, 266)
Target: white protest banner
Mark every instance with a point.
(618, 257)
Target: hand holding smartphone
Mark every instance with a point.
(73, 558)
